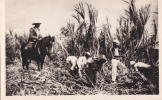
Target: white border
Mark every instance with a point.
(76, 97)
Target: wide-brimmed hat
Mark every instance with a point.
(87, 54)
(132, 62)
(36, 23)
(116, 42)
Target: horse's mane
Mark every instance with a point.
(42, 40)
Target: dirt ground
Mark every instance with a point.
(55, 79)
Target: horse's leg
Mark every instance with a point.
(38, 63)
(27, 65)
(23, 63)
(23, 59)
(42, 65)
(27, 62)
(42, 62)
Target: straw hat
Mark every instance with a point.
(88, 54)
(36, 23)
(116, 42)
(132, 62)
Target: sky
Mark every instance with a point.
(54, 14)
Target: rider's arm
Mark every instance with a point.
(40, 37)
(32, 34)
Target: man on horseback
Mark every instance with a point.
(34, 36)
(36, 48)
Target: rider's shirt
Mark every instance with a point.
(34, 34)
(115, 51)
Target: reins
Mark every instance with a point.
(48, 54)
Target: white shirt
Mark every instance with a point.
(116, 52)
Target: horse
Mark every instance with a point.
(43, 47)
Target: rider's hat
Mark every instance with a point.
(115, 41)
(36, 23)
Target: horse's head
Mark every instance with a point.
(49, 47)
(47, 44)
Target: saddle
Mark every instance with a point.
(31, 45)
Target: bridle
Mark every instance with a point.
(45, 50)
